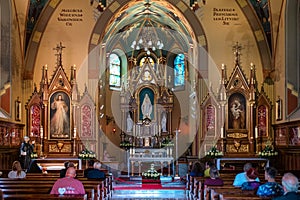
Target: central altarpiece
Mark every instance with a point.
(147, 106)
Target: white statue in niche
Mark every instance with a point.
(164, 122)
(129, 123)
(146, 107)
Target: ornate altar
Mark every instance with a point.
(146, 105)
(237, 119)
(60, 120)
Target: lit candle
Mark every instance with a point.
(42, 132)
(256, 132)
(222, 132)
(74, 132)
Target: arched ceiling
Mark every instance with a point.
(161, 16)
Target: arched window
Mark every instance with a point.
(179, 70)
(114, 71)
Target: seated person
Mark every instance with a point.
(270, 188)
(214, 177)
(209, 164)
(67, 164)
(197, 169)
(17, 171)
(96, 172)
(242, 177)
(90, 167)
(34, 168)
(251, 184)
(68, 184)
(290, 184)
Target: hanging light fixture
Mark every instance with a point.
(147, 38)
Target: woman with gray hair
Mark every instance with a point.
(290, 185)
(96, 172)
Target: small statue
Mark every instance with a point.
(129, 123)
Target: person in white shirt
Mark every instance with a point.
(17, 171)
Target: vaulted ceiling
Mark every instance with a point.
(162, 17)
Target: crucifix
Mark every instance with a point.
(59, 49)
(237, 52)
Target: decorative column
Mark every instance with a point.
(176, 146)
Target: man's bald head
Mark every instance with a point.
(71, 172)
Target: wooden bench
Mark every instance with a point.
(194, 185)
(43, 185)
(44, 196)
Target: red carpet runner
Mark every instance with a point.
(128, 185)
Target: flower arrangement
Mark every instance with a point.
(34, 155)
(87, 154)
(125, 144)
(151, 174)
(214, 153)
(167, 143)
(267, 152)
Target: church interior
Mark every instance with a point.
(141, 83)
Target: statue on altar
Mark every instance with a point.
(129, 123)
(164, 123)
(147, 107)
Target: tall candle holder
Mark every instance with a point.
(256, 140)
(74, 143)
(41, 143)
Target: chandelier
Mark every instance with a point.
(147, 38)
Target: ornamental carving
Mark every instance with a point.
(244, 148)
(237, 135)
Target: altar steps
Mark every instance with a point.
(150, 194)
(134, 187)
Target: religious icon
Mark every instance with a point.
(146, 97)
(146, 107)
(236, 111)
(59, 115)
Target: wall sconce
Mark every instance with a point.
(109, 119)
(114, 130)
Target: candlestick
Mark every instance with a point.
(42, 132)
(222, 132)
(74, 132)
(256, 132)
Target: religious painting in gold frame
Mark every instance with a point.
(59, 115)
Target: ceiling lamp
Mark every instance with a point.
(147, 37)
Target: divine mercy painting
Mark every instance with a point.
(59, 116)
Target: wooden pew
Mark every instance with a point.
(43, 185)
(44, 197)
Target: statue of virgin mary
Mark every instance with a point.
(146, 107)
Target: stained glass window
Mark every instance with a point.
(114, 70)
(179, 70)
